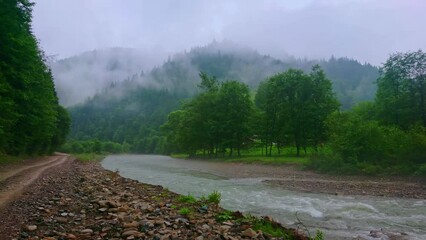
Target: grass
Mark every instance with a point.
(8, 159)
(187, 199)
(87, 157)
(184, 211)
(267, 227)
(254, 155)
(223, 216)
(214, 197)
(273, 160)
(179, 155)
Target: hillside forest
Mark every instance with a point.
(295, 113)
(31, 120)
(219, 101)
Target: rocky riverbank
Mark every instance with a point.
(291, 177)
(83, 201)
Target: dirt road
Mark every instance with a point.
(15, 177)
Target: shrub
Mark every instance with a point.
(224, 216)
(421, 171)
(214, 197)
(184, 211)
(187, 199)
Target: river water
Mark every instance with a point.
(339, 217)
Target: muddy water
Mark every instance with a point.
(339, 217)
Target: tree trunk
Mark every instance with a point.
(279, 149)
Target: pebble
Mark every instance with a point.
(87, 230)
(31, 228)
(101, 209)
(130, 233)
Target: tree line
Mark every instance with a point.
(31, 120)
(127, 115)
(294, 108)
(289, 108)
(385, 135)
(214, 121)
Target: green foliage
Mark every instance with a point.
(421, 171)
(361, 146)
(387, 136)
(187, 199)
(184, 211)
(93, 146)
(224, 216)
(31, 121)
(214, 197)
(318, 235)
(293, 108)
(269, 228)
(213, 121)
(89, 157)
(401, 93)
(352, 81)
(132, 120)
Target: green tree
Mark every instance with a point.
(235, 109)
(323, 102)
(30, 111)
(268, 104)
(295, 106)
(214, 121)
(401, 90)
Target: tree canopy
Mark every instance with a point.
(214, 121)
(294, 106)
(31, 120)
(401, 93)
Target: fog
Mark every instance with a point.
(361, 29)
(145, 34)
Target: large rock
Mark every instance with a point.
(249, 233)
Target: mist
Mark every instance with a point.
(365, 30)
(82, 76)
(149, 33)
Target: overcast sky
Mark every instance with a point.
(367, 30)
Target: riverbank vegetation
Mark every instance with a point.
(31, 120)
(292, 117)
(296, 115)
(387, 136)
(130, 112)
(89, 157)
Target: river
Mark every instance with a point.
(339, 217)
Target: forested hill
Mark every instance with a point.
(130, 111)
(125, 117)
(82, 76)
(31, 120)
(352, 81)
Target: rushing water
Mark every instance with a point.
(339, 217)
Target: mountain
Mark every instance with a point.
(353, 82)
(130, 112)
(84, 75)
